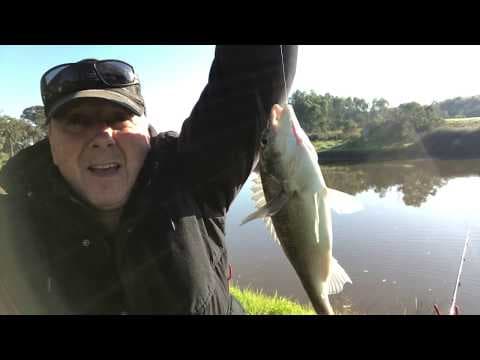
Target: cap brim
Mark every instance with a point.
(98, 94)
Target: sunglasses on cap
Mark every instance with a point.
(88, 74)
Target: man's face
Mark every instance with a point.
(99, 148)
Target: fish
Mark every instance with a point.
(291, 196)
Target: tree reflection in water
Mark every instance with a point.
(416, 179)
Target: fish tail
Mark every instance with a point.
(338, 278)
(321, 304)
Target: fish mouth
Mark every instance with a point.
(104, 169)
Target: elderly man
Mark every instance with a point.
(107, 217)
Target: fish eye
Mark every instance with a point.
(264, 141)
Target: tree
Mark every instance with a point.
(35, 114)
(17, 134)
(310, 110)
(461, 107)
(349, 127)
(338, 110)
(421, 118)
(378, 110)
(437, 110)
(327, 115)
(361, 111)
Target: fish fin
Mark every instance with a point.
(259, 198)
(256, 168)
(259, 214)
(271, 229)
(338, 278)
(343, 203)
(264, 210)
(256, 182)
(257, 191)
(269, 209)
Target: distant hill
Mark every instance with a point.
(461, 107)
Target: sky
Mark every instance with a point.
(173, 76)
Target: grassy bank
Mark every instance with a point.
(463, 123)
(356, 143)
(322, 145)
(456, 139)
(255, 302)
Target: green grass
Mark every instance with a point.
(322, 145)
(356, 144)
(462, 123)
(257, 303)
(372, 145)
(335, 139)
(378, 144)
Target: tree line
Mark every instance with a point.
(17, 134)
(461, 107)
(322, 115)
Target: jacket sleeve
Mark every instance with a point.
(219, 141)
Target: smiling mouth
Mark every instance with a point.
(107, 169)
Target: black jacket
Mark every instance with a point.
(168, 255)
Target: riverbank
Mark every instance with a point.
(255, 302)
(446, 143)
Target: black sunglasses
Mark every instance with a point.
(86, 74)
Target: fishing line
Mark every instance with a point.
(284, 79)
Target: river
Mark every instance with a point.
(402, 251)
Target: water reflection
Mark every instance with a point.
(402, 252)
(416, 180)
